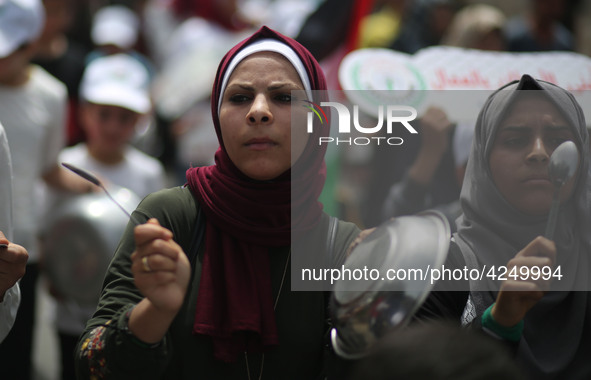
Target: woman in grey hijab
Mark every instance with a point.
(505, 198)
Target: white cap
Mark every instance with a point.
(117, 80)
(115, 25)
(21, 22)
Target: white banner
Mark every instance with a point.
(448, 68)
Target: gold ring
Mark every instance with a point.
(145, 264)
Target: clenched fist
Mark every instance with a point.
(13, 262)
(160, 268)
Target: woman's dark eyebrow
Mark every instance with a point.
(515, 128)
(557, 127)
(279, 86)
(523, 128)
(272, 87)
(242, 86)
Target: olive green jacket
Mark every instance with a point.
(108, 350)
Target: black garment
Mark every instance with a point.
(417, 31)
(67, 346)
(327, 27)
(17, 348)
(520, 38)
(69, 68)
(448, 299)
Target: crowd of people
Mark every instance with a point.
(189, 104)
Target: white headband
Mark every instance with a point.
(272, 46)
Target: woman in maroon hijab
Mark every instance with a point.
(228, 311)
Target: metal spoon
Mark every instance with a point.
(563, 165)
(91, 178)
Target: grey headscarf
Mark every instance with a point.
(557, 335)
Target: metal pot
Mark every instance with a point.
(403, 251)
(78, 243)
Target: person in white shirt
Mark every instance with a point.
(114, 101)
(33, 112)
(13, 257)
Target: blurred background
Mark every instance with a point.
(180, 42)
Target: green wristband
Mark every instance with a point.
(512, 333)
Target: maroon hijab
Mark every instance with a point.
(244, 219)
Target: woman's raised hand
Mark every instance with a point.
(160, 268)
(13, 261)
(435, 141)
(435, 131)
(517, 296)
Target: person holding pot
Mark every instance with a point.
(202, 289)
(506, 198)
